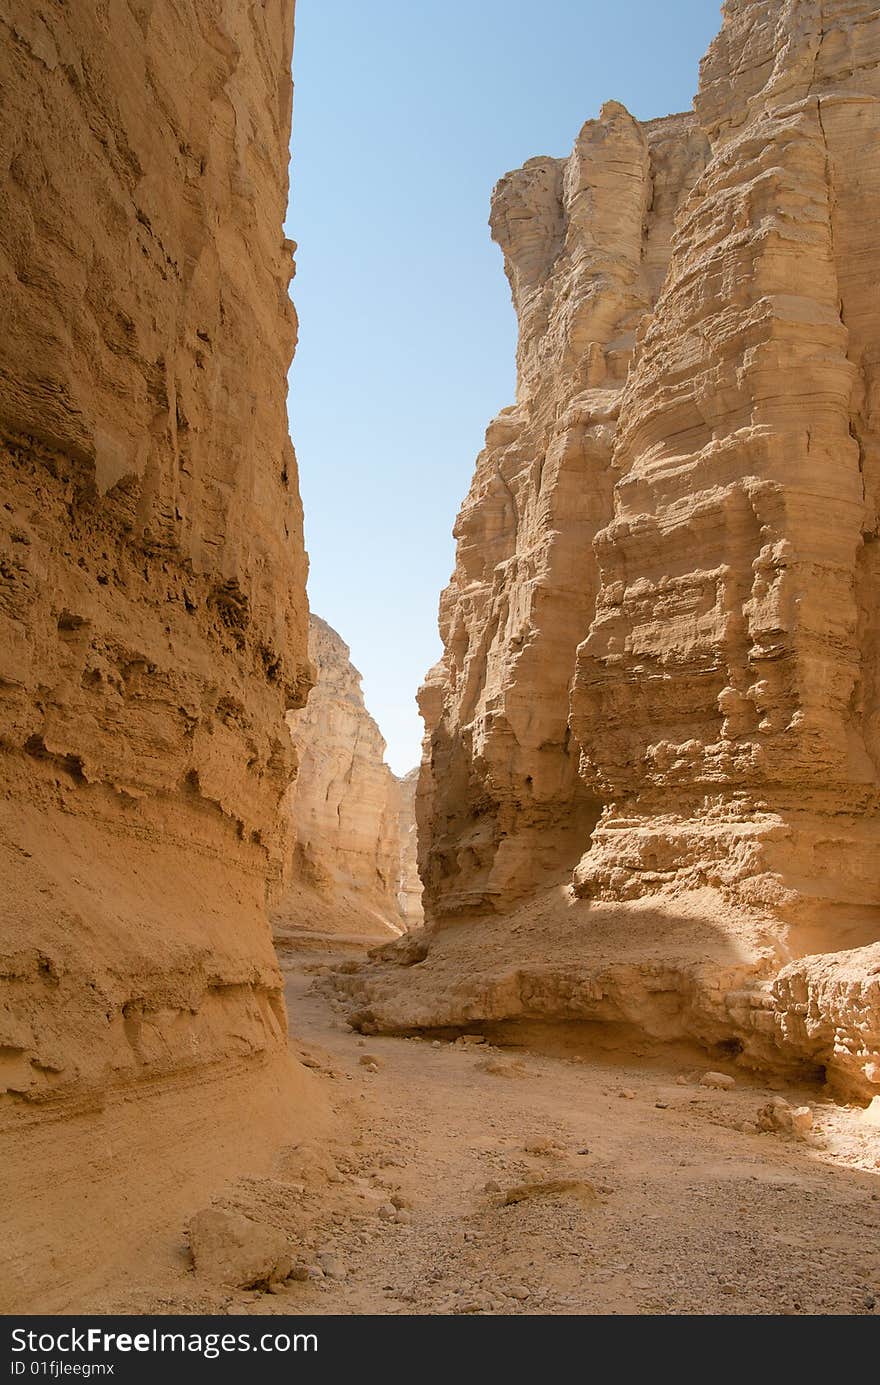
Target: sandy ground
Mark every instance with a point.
(641, 1195)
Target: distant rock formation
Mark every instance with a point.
(661, 639)
(409, 893)
(152, 616)
(352, 869)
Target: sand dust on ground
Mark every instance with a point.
(465, 1178)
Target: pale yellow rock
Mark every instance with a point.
(410, 884)
(719, 1080)
(871, 1114)
(353, 854)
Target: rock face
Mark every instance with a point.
(726, 696)
(586, 242)
(152, 596)
(661, 637)
(348, 872)
(409, 894)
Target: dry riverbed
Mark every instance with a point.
(464, 1178)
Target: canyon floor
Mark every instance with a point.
(636, 1192)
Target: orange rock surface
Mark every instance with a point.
(152, 610)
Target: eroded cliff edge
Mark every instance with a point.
(352, 868)
(660, 639)
(154, 619)
(586, 242)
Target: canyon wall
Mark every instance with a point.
(586, 242)
(661, 647)
(153, 610)
(352, 866)
(726, 696)
(410, 888)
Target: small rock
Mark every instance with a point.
(300, 1273)
(398, 1200)
(361, 1043)
(315, 1272)
(233, 1249)
(749, 1128)
(496, 1068)
(550, 1148)
(472, 1039)
(332, 1266)
(681, 1080)
(776, 1115)
(404, 1217)
(718, 1080)
(519, 1291)
(368, 1060)
(801, 1119)
(627, 1094)
(435, 1043)
(493, 1186)
(387, 1212)
(662, 1105)
(277, 1288)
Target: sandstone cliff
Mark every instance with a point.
(410, 886)
(153, 608)
(348, 873)
(676, 524)
(586, 241)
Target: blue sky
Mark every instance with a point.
(406, 112)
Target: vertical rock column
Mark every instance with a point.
(585, 242)
(726, 698)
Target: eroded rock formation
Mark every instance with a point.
(410, 888)
(586, 241)
(153, 610)
(726, 696)
(352, 867)
(677, 525)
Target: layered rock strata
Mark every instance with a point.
(410, 888)
(586, 241)
(726, 696)
(679, 517)
(352, 866)
(152, 603)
